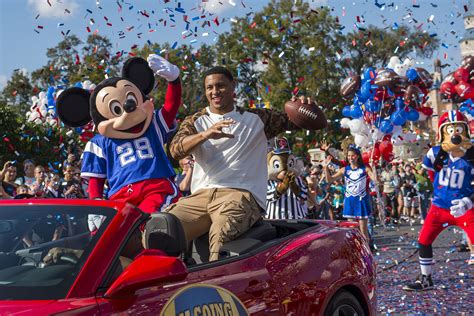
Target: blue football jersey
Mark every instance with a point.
(452, 182)
(126, 161)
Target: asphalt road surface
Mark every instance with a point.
(397, 260)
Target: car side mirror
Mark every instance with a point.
(146, 270)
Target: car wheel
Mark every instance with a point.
(342, 304)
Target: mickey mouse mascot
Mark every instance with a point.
(450, 166)
(128, 149)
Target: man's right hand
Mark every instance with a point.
(216, 130)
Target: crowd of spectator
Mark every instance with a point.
(403, 193)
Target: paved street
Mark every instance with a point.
(454, 279)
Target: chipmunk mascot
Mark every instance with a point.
(128, 149)
(286, 191)
(451, 170)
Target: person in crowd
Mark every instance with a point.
(337, 201)
(29, 177)
(53, 187)
(8, 179)
(311, 180)
(22, 189)
(357, 198)
(229, 146)
(39, 185)
(425, 190)
(390, 182)
(183, 179)
(410, 195)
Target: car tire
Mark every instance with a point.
(344, 303)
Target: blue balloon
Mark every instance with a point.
(386, 126)
(366, 91)
(368, 74)
(356, 112)
(412, 74)
(346, 111)
(78, 84)
(398, 118)
(399, 104)
(413, 115)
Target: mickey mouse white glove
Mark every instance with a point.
(460, 207)
(163, 68)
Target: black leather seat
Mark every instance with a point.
(164, 232)
(261, 230)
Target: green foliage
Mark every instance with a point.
(18, 91)
(285, 49)
(21, 139)
(374, 46)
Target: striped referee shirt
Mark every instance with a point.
(288, 205)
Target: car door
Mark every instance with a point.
(228, 287)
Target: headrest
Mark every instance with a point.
(164, 232)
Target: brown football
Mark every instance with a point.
(307, 116)
(349, 86)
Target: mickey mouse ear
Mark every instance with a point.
(136, 69)
(72, 107)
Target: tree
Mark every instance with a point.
(286, 49)
(374, 46)
(61, 64)
(18, 91)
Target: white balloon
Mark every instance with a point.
(377, 134)
(394, 60)
(345, 122)
(42, 95)
(361, 140)
(356, 125)
(34, 99)
(92, 86)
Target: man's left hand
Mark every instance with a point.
(460, 207)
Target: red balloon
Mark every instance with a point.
(447, 88)
(461, 75)
(386, 147)
(426, 111)
(463, 89)
(366, 156)
(376, 155)
(388, 157)
(387, 137)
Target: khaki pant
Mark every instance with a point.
(224, 213)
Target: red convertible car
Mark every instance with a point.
(86, 257)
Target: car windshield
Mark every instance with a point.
(43, 248)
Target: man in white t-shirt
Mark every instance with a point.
(229, 179)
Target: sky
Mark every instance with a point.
(29, 27)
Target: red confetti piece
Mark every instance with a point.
(88, 29)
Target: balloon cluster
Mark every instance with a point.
(467, 107)
(43, 108)
(384, 100)
(459, 85)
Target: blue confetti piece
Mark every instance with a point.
(90, 11)
(174, 45)
(445, 45)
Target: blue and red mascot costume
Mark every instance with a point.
(128, 150)
(450, 167)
